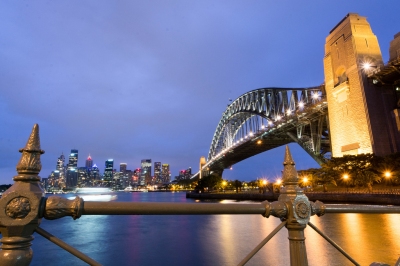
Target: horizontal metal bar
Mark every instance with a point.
(355, 208)
(67, 247)
(169, 208)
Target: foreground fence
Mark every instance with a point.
(23, 206)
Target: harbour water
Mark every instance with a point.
(213, 239)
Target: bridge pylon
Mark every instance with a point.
(359, 112)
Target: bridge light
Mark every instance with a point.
(367, 66)
(262, 127)
(278, 118)
(251, 134)
(270, 123)
(288, 112)
(301, 105)
(315, 95)
(259, 141)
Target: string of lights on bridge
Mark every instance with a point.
(270, 125)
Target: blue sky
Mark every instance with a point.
(132, 80)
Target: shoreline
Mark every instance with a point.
(325, 197)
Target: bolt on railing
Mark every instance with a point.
(23, 206)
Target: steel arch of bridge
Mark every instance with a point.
(275, 117)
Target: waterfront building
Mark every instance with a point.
(188, 173)
(181, 175)
(184, 174)
(83, 179)
(136, 176)
(166, 174)
(145, 172)
(128, 178)
(72, 174)
(108, 170)
(157, 172)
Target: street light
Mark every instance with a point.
(388, 176)
(345, 178)
(277, 185)
(305, 181)
(265, 182)
(223, 185)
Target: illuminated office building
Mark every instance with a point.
(108, 171)
(122, 167)
(72, 173)
(165, 173)
(157, 172)
(145, 173)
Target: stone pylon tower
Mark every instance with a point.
(359, 112)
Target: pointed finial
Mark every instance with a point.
(30, 159)
(289, 170)
(288, 157)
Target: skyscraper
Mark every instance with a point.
(122, 167)
(95, 173)
(157, 172)
(108, 171)
(136, 176)
(73, 158)
(89, 163)
(145, 173)
(60, 162)
(72, 174)
(166, 176)
(60, 180)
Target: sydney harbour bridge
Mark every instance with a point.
(266, 118)
(362, 93)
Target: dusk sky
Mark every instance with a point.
(132, 80)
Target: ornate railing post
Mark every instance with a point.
(298, 211)
(20, 206)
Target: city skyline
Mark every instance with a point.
(150, 80)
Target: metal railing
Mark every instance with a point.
(23, 206)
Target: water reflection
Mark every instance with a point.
(214, 239)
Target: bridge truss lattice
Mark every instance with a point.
(267, 118)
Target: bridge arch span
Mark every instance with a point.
(267, 118)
